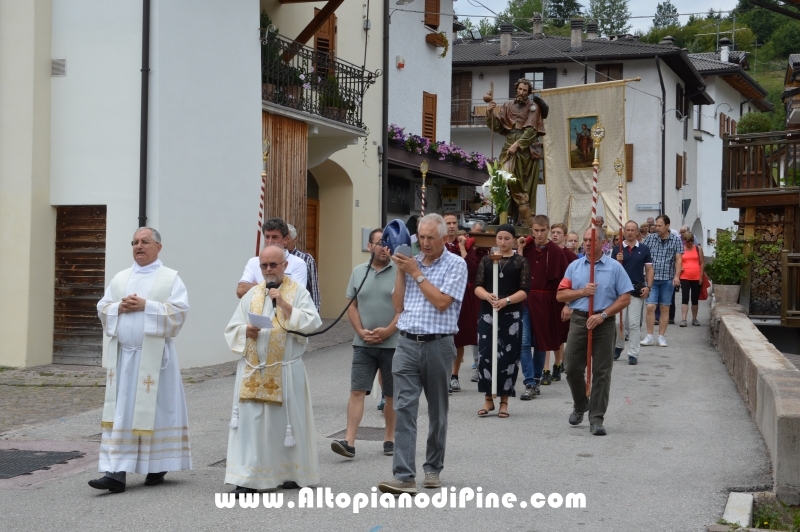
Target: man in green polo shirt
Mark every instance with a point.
(374, 319)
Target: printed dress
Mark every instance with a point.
(515, 276)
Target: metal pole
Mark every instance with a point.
(495, 256)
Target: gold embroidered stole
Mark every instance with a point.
(265, 385)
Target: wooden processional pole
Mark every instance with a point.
(598, 132)
(423, 167)
(495, 256)
(262, 200)
(619, 166)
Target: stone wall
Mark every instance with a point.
(770, 387)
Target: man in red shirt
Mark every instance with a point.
(467, 334)
(548, 264)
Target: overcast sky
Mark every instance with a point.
(645, 8)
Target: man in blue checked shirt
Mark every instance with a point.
(611, 290)
(427, 294)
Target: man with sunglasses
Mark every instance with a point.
(272, 440)
(276, 232)
(374, 319)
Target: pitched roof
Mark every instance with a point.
(734, 56)
(735, 76)
(553, 49)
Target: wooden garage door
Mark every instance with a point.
(79, 284)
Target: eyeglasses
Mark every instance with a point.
(142, 242)
(270, 265)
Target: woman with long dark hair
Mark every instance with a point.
(513, 284)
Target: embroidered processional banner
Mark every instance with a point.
(568, 153)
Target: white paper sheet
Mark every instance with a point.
(257, 320)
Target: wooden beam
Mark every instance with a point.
(777, 9)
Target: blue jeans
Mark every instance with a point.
(661, 293)
(531, 365)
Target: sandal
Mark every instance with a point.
(503, 414)
(483, 412)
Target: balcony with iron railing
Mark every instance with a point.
(761, 169)
(299, 78)
(470, 113)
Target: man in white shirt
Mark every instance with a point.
(275, 232)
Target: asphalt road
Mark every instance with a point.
(679, 439)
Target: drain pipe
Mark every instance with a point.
(385, 122)
(144, 113)
(663, 137)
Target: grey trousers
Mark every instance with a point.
(634, 319)
(602, 361)
(418, 367)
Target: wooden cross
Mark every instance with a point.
(271, 386)
(110, 376)
(149, 382)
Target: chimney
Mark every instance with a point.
(577, 35)
(669, 40)
(725, 49)
(591, 30)
(538, 26)
(506, 29)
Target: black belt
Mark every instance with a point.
(585, 314)
(424, 337)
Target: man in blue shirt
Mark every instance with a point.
(611, 291)
(636, 260)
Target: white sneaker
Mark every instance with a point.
(662, 342)
(648, 340)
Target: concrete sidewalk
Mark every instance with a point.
(679, 440)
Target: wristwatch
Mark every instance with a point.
(604, 315)
(420, 279)
(508, 300)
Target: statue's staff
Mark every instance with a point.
(598, 132)
(488, 98)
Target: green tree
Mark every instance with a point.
(785, 40)
(466, 33)
(713, 15)
(612, 16)
(666, 15)
(754, 123)
(520, 13)
(562, 10)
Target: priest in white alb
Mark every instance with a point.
(272, 440)
(145, 423)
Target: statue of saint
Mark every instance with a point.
(521, 122)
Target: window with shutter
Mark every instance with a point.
(733, 127)
(429, 116)
(629, 162)
(461, 98)
(678, 171)
(325, 46)
(722, 124)
(432, 13)
(608, 72)
(683, 168)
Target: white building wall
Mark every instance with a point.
(709, 216)
(204, 145)
(424, 70)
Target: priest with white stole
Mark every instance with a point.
(272, 440)
(145, 423)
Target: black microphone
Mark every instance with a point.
(270, 286)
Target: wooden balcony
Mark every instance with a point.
(761, 170)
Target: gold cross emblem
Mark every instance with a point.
(251, 385)
(148, 382)
(110, 376)
(271, 386)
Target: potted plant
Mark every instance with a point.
(439, 40)
(331, 102)
(729, 267)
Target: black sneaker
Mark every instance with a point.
(529, 393)
(597, 429)
(341, 447)
(575, 418)
(454, 385)
(388, 448)
(617, 352)
(546, 378)
(632, 361)
(557, 369)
